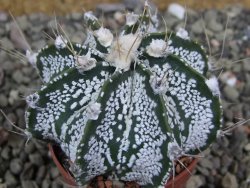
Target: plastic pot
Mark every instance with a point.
(179, 181)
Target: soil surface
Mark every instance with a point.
(27, 163)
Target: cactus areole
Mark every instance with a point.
(127, 106)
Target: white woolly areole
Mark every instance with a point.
(32, 100)
(104, 36)
(213, 85)
(85, 62)
(182, 33)
(157, 48)
(93, 110)
(28, 134)
(32, 57)
(159, 85)
(174, 151)
(123, 51)
(131, 18)
(89, 16)
(60, 42)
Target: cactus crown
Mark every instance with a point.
(125, 106)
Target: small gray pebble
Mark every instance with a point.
(46, 183)
(215, 26)
(206, 163)
(246, 65)
(2, 75)
(10, 179)
(112, 7)
(18, 76)
(229, 181)
(210, 15)
(15, 141)
(234, 167)
(76, 16)
(23, 22)
(196, 27)
(13, 96)
(40, 173)
(29, 148)
(231, 93)
(3, 100)
(4, 166)
(27, 70)
(36, 159)
(133, 4)
(29, 184)
(38, 44)
(195, 181)
(216, 162)
(226, 162)
(3, 185)
(235, 10)
(7, 43)
(21, 117)
(5, 153)
(224, 142)
(54, 172)
(203, 171)
(16, 152)
(23, 156)
(38, 18)
(247, 147)
(28, 172)
(56, 184)
(16, 166)
(3, 16)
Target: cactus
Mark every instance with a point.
(128, 106)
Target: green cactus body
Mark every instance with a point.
(125, 107)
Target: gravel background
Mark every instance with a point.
(226, 163)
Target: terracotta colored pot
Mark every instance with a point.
(179, 181)
(55, 152)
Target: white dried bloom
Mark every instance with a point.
(213, 85)
(157, 48)
(182, 33)
(104, 36)
(123, 51)
(32, 57)
(131, 18)
(60, 42)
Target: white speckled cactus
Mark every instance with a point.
(125, 106)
